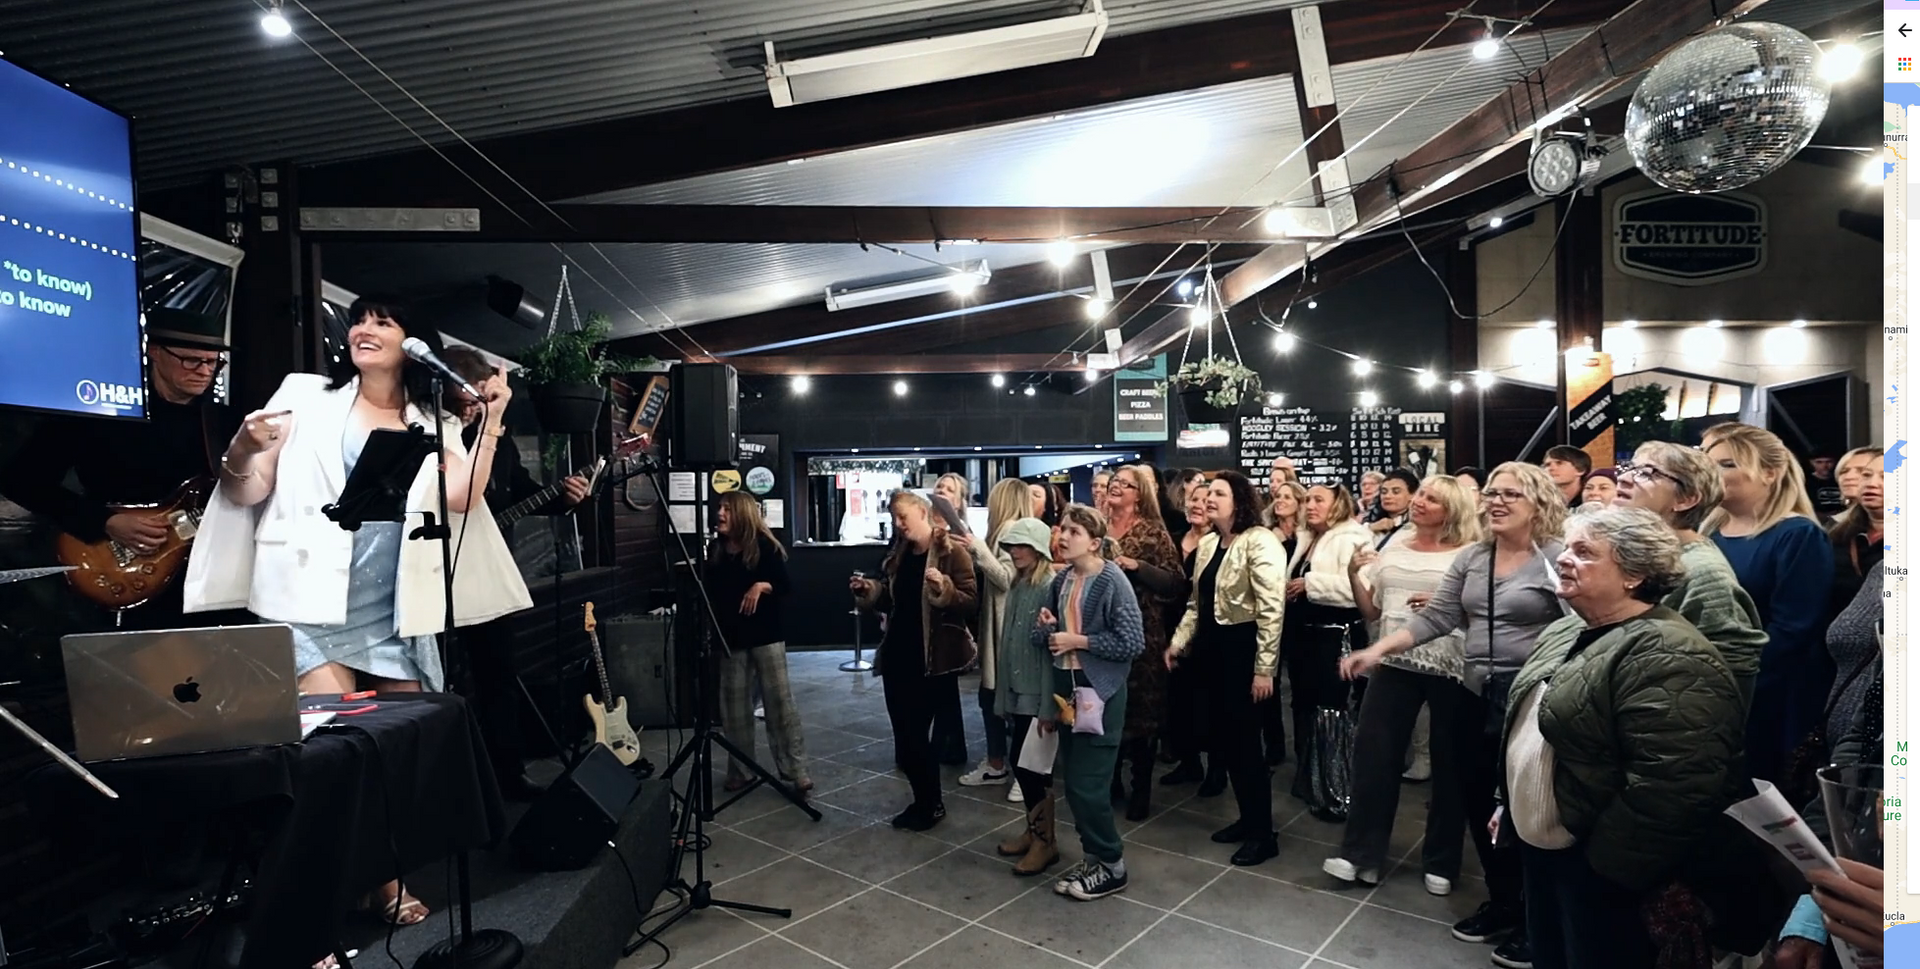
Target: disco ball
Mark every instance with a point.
(1726, 109)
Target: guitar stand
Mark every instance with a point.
(697, 806)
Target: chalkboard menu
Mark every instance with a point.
(1338, 446)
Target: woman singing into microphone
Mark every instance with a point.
(364, 605)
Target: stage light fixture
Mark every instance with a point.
(274, 22)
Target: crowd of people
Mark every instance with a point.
(1585, 665)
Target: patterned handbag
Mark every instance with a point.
(1330, 756)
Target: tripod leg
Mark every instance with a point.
(545, 727)
(766, 777)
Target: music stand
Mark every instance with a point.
(377, 489)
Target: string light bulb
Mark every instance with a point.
(1496, 222)
(1184, 288)
(1841, 63)
(1369, 399)
(1425, 378)
(1096, 308)
(1455, 386)
(1798, 324)
(1486, 47)
(1313, 304)
(1028, 391)
(1362, 367)
(1482, 379)
(1283, 342)
(800, 383)
(1060, 253)
(274, 22)
(1199, 316)
(899, 388)
(1276, 399)
(999, 380)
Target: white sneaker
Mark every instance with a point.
(1065, 882)
(984, 776)
(1438, 886)
(1344, 870)
(1013, 794)
(1420, 771)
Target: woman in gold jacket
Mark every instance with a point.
(1232, 629)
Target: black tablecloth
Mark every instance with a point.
(417, 759)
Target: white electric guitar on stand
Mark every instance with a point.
(610, 727)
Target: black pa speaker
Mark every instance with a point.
(704, 430)
(577, 816)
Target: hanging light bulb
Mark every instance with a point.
(1028, 391)
(999, 380)
(1455, 386)
(1276, 399)
(801, 383)
(1486, 47)
(1184, 288)
(274, 22)
(899, 388)
(1482, 379)
(1369, 399)
(1096, 308)
(1362, 367)
(1425, 378)
(1199, 316)
(1283, 342)
(1060, 253)
(1313, 304)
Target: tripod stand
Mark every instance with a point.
(697, 807)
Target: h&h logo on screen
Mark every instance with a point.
(110, 394)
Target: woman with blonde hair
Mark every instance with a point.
(1767, 529)
(1286, 517)
(1145, 553)
(1445, 519)
(1500, 594)
(929, 598)
(1321, 618)
(747, 576)
(1857, 534)
(1007, 503)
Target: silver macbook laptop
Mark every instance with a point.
(181, 691)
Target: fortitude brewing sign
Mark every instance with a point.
(1689, 240)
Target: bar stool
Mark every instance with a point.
(856, 664)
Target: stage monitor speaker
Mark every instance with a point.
(704, 431)
(641, 670)
(577, 816)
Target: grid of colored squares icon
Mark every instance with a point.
(1904, 64)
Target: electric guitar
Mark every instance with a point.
(117, 577)
(610, 727)
(534, 502)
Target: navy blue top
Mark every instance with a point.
(1788, 569)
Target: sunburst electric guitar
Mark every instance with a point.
(118, 577)
(610, 727)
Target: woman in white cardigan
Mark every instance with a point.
(1007, 503)
(1321, 614)
(364, 605)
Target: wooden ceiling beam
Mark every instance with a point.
(1626, 44)
(906, 363)
(900, 225)
(608, 156)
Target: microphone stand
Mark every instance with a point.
(487, 948)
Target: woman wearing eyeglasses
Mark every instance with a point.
(1681, 486)
(1145, 553)
(1501, 593)
(1767, 529)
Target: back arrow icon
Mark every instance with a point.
(1903, 30)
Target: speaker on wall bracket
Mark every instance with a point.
(704, 417)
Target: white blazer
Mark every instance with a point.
(1327, 583)
(285, 561)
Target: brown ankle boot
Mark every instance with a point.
(1017, 845)
(1043, 852)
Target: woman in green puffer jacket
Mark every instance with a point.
(1621, 747)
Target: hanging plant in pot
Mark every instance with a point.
(565, 369)
(1212, 388)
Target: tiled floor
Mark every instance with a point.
(865, 896)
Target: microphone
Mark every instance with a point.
(418, 350)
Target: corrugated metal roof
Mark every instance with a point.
(1194, 148)
(211, 89)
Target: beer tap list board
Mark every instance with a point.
(1330, 446)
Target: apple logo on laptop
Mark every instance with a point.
(188, 692)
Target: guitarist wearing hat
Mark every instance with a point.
(490, 645)
(130, 463)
